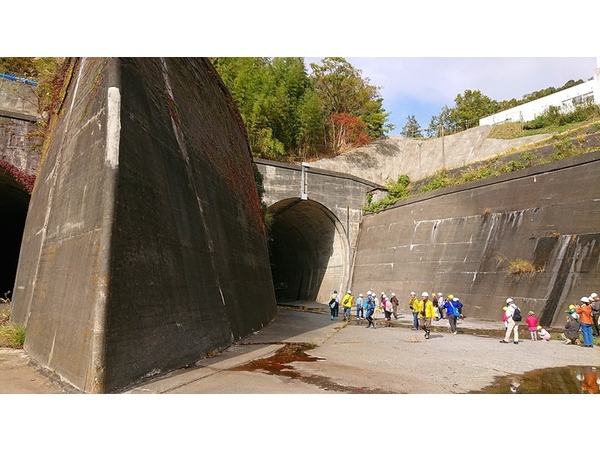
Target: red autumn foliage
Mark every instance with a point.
(27, 181)
(349, 131)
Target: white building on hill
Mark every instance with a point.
(565, 99)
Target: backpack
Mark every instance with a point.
(517, 315)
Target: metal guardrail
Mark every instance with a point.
(20, 80)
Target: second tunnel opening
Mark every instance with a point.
(307, 250)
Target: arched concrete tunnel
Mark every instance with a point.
(14, 202)
(308, 251)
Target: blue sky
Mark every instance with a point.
(420, 54)
(422, 86)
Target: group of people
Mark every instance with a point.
(365, 306)
(426, 309)
(583, 317)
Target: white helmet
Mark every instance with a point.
(360, 295)
(424, 294)
(585, 299)
(349, 292)
(368, 292)
(509, 300)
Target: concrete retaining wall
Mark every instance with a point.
(388, 158)
(461, 240)
(144, 248)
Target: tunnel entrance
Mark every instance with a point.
(14, 202)
(308, 251)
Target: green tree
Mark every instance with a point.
(443, 123)
(344, 92)
(269, 93)
(411, 128)
(470, 107)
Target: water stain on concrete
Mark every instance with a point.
(556, 380)
(281, 364)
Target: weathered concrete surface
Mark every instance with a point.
(144, 247)
(393, 156)
(460, 241)
(312, 239)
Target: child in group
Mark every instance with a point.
(532, 323)
(543, 333)
(504, 319)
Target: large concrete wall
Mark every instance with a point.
(461, 239)
(144, 248)
(390, 157)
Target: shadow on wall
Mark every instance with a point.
(306, 251)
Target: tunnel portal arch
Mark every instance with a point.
(14, 203)
(309, 251)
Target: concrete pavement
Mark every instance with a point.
(302, 351)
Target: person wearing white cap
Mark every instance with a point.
(511, 323)
(595, 304)
(347, 304)
(360, 310)
(441, 302)
(585, 318)
(426, 312)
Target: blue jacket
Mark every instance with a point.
(449, 306)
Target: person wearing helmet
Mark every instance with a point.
(370, 307)
(572, 327)
(532, 324)
(360, 311)
(543, 333)
(347, 305)
(426, 313)
(415, 313)
(585, 318)
(452, 306)
(511, 324)
(336, 305)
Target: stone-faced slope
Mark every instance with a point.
(390, 157)
(144, 248)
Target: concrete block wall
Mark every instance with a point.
(460, 241)
(144, 248)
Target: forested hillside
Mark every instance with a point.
(293, 114)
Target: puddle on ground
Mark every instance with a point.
(556, 380)
(280, 364)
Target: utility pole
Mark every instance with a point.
(443, 154)
(419, 145)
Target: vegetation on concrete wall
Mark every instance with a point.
(570, 142)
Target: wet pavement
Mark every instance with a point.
(303, 352)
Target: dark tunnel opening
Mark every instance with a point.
(307, 251)
(14, 203)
